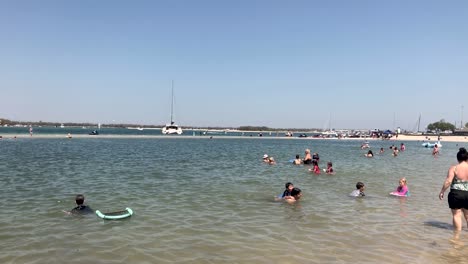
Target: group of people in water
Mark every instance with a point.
(292, 194)
(456, 180)
(309, 159)
(393, 148)
(401, 190)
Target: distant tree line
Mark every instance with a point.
(4, 121)
(8, 122)
(442, 126)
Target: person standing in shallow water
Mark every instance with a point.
(457, 180)
(435, 151)
(402, 147)
(308, 157)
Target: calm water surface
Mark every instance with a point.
(198, 200)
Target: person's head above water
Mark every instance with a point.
(79, 199)
(359, 185)
(402, 181)
(296, 193)
(462, 155)
(297, 156)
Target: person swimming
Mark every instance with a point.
(329, 169)
(271, 161)
(359, 192)
(81, 209)
(297, 161)
(287, 192)
(296, 194)
(395, 152)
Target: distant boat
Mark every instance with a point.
(172, 128)
(416, 131)
(329, 134)
(62, 126)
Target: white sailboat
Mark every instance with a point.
(416, 130)
(330, 133)
(172, 128)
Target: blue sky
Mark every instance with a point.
(302, 64)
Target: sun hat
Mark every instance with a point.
(265, 156)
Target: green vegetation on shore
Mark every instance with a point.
(441, 126)
(8, 122)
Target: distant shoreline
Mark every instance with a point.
(460, 139)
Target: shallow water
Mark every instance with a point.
(198, 200)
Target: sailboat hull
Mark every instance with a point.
(172, 129)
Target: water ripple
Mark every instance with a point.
(211, 201)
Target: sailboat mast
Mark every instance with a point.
(172, 103)
(419, 122)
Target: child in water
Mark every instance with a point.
(287, 192)
(369, 154)
(80, 208)
(402, 189)
(316, 168)
(329, 169)
(316, 157)
(359, 192)
(402, 147)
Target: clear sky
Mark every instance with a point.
(275, 63)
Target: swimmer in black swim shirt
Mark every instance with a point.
(81, 208)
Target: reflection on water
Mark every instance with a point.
(211, 201)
